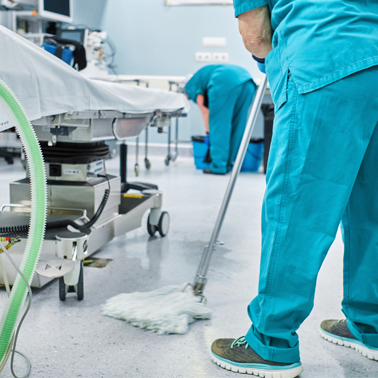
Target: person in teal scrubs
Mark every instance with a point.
(224, 94)
(321, 59)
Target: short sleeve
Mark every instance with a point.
(242, 6)
(194, 87)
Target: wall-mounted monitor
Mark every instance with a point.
(56, 10)
(78, 35)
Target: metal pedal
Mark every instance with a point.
(55, 268)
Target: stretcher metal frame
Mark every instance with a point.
(64, 249)
(170, 156)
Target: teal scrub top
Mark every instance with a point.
(218, 77)
(319, 41)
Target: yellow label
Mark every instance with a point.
(133, 195)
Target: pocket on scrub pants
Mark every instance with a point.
(278, 78)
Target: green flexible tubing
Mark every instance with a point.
(37, 220)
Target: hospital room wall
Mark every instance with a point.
(153, 39)
(88, 13)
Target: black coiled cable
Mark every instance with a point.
(19, 230)
(13, 230)
(101, 208)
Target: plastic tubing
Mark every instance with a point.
(37, 220)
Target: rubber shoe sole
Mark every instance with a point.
(259, 370)
(371, 353)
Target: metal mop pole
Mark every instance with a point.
(200, 279)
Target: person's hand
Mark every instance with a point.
(207, 140)
(256, 30)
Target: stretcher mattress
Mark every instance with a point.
(46, 86)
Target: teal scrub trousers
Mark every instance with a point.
(227, 122)
(323, 170)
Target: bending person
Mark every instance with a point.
(224, 94)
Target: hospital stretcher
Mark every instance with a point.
(90, 206)
(137, 82)
(173, 83)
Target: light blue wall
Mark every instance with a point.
(88, 12)
(153, 39)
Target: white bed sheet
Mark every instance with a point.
(45, 85)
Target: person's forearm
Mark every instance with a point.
(205, 116)
(204, 111)
(256, 30)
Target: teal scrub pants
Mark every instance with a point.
(227, 122)
(323, 170)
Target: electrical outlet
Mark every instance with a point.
(220, 57)
(214, 42)
(203, 57)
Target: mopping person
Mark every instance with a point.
(321, 60)
(224, 94)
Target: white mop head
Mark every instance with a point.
(167, 310)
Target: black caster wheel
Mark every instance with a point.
(163, 226)
(150, 227)
(136, 169)
(147, 163)
(166, 161)
(79, 288)
(62, 289)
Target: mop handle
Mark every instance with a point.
(200, 279)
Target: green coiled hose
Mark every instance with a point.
(37, 220)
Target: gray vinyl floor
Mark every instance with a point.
(72, 339)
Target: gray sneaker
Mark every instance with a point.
(337, 332)
(239, 357)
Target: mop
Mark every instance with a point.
(172, 308)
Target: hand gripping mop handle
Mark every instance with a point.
(200, 279)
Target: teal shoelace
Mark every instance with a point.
(240, 342)
(341, 321)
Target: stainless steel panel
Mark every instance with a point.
(76, 172)
(72, 195)
(103, 231)
(70, 172)
(87, 196)
(20, 194)
(89, 131)
(88, 126)
(64, 120)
